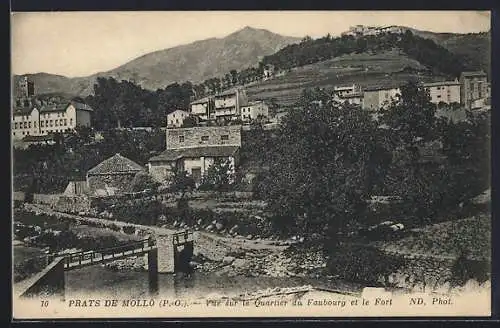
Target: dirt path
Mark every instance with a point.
(210, 245)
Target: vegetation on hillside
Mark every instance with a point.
(310, 51)
(328, 160)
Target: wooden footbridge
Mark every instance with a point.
(77, 260)
(179, 249)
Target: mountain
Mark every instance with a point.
(193, 62)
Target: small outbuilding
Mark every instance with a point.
(113, 175)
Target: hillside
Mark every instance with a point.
(365, 69)
(193, 62)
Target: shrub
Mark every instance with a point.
(129, 229)
(465, 269)
(362, 263)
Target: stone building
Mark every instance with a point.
(474, 86)
(195, 149)
(113, 175)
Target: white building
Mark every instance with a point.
(375, 98)
(228, 104)
(203, 108)
(254, 110)
(447, 91)
(50, 118)
(351, 94)
(176, 118)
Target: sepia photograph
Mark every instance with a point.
(211, 164)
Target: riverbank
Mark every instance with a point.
(222, 255)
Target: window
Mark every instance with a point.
(47, 123)
(181, 138)
(41, 124)
(61, 122)
(25, 125)
(58, 114)
(15, 125)
(204, 138)
(51, 123)
(65, 122)
(55, 123)
(224, 137)
(29, 125)
(34, 124)
(176, 121)
(70, 121)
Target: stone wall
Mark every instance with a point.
(47, 199)
(49, 282)
(424, 272)
(73, 204)
(122, 182)
(192, 136)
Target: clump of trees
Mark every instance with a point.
(328, 159)
(426, 51)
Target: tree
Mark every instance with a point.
(320, 169)
(219, 176)
(143, 181)
(182, 183)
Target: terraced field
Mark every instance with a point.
(363, 69)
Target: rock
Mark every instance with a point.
(199, 222)
(210, 227)
(219, 226)
(239, 263)
(249, 236)
(214, 222)
(175, 224)
(228, 260)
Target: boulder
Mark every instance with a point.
(210, 227)
(219, 226)
(249, 236)
(199, 222)
(228, 260)
(239, 263)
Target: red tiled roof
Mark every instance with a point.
(210, 151)
(115, 165)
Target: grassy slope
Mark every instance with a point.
(364, 69)
(448, 238)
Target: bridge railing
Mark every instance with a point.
(99, 254)
(181, 237)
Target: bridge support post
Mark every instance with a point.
(165, 253)
(153, 272)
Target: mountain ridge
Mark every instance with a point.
(238, 50)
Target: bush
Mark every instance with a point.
(362, 264)
(129, 229)
(465, 269)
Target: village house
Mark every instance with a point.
(112, 176)
(375, 98)
(203, 108)
(351, 94)
(176, 118)
(39, 120)
(194, 150)
(228, 104)
(474, 86)
(268, 72)
(447, 91)
(254, 110)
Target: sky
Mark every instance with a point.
(83, 43)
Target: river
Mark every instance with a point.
(99, 280)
